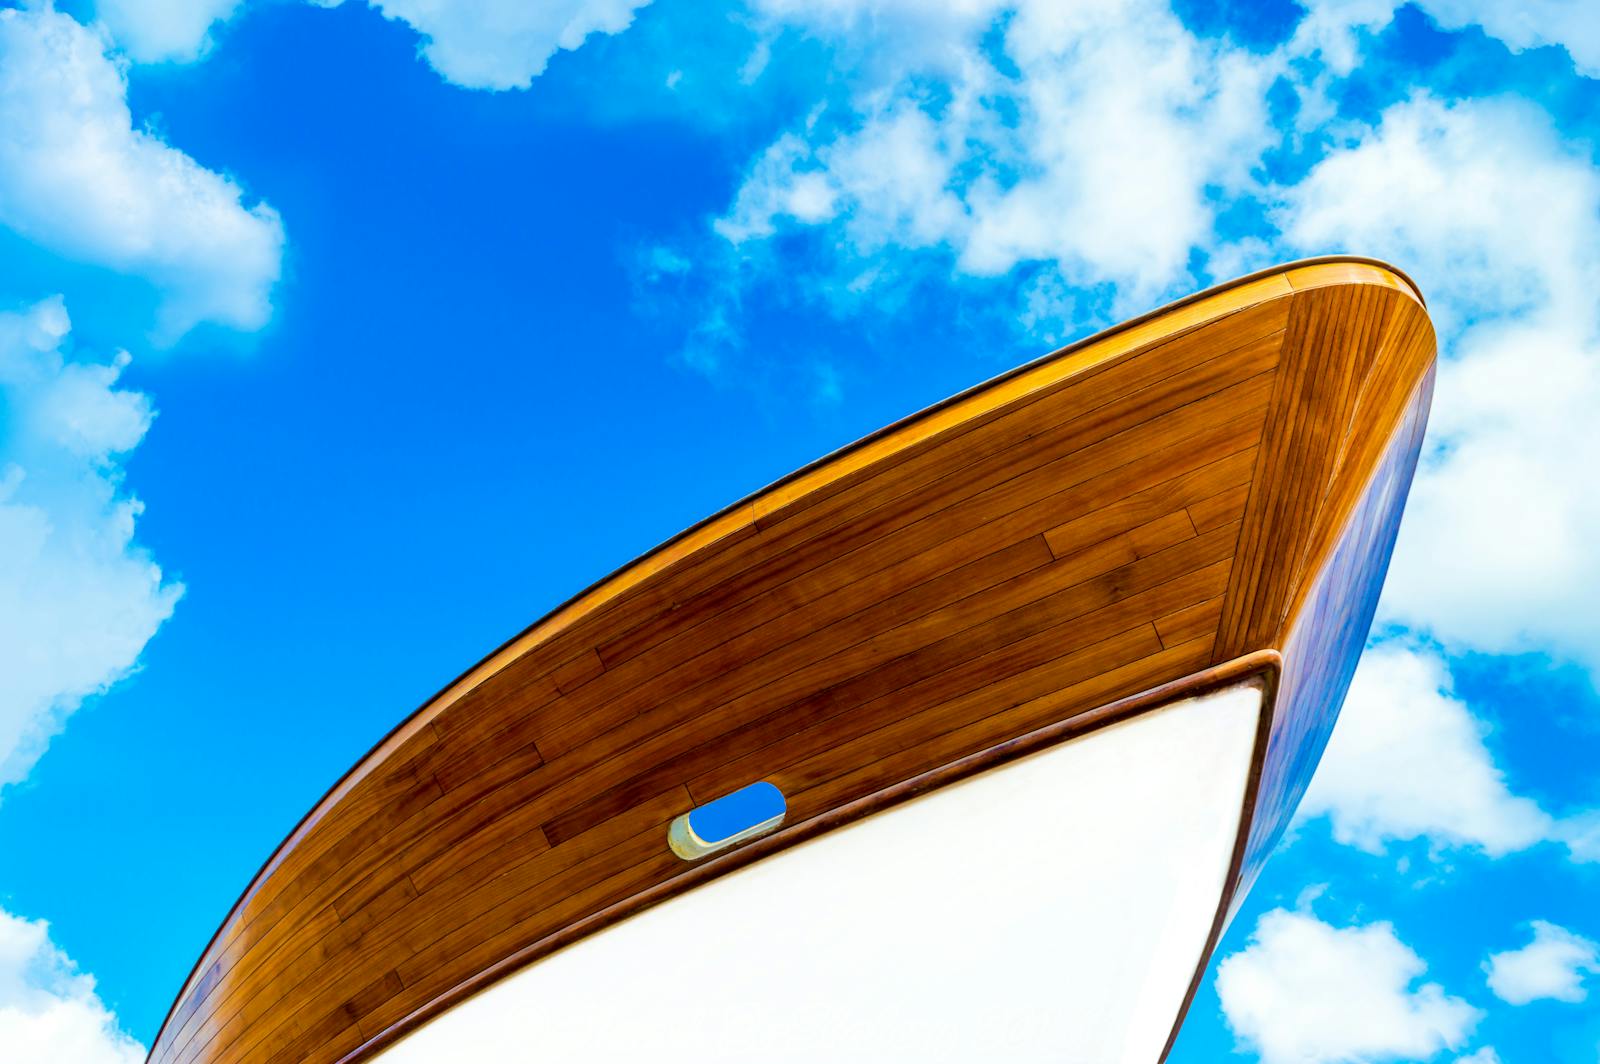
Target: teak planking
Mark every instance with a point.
(1210, 483)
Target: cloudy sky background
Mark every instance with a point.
(319, 324)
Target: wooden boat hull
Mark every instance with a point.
(1202, 496)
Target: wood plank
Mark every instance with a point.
(1020, 671)
(1124, 677)
(1311, 410)
(1189, 623)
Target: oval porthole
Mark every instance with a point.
(727, 821)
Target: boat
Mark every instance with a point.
(964, 742)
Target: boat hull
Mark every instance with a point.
(1207, 493)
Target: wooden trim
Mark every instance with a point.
(1230, 884)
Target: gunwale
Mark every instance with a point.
(806, 483)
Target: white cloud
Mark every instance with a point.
(1529, 24)
(153, 31)
(504, 44)
(1331, 30)
(49, 1011)
(1095, 141)
(1486, 1055)
(78, 599)
(779, 187)
(1500, 224)
(1552, 966)
(1407, 760)
(1093, 157)
(1498, 550)
(1581, 833)
(79, 180)
(1478, 199)
(1305, 992)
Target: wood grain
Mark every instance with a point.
(1215, 480)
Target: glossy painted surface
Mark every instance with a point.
(1121, 515)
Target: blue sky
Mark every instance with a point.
(433, 314)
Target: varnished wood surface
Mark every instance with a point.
(1330, 622)
(1174, 494)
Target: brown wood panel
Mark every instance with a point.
(923, 529)
(1190, 622)
(1315, 397)
(972, 736)
(1108, 520)
(1056, 427)
(1017, 672)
